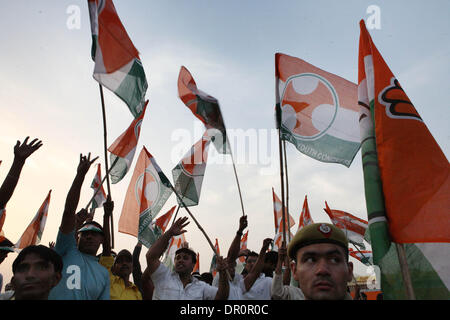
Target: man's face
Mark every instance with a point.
(183, 263)
(34, 278)
(250, 263)
(322, 271)
(123, 266)
(89, 242)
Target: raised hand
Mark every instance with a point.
(221, 264)
(85, 163)
(177, 227)
(108, 205)
(266, 244)
(242, 223)
(24, 150)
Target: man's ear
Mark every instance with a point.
(350, 271)
(293, 265)
(13, 280)
(57, 277)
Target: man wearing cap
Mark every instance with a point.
(83, 278)
(321, 265)
(179, 284)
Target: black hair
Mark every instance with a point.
(272, 257)
(42, 251)
(188, 251)
(251, 254)
(6, 243)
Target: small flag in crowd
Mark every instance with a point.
(100, 195)
(305, 216)
(33, 233)
(117, 63)
(364, 256)
(147, 192)
(213, 265)
(205, 108)
(124, 147)
(319, 110)
(278, 219)
(175, 243)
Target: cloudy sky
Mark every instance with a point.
(47, 91)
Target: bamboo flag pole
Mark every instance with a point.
(235, 174)
(405, 271)
(106, 158)
(280, 147)
(287, 192)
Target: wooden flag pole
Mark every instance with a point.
(356, 247)
(280, 147)
(235, 175)
(405, 271)
(106, 158)
(287, 192)
(101, 183)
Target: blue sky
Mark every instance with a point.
(47, 91)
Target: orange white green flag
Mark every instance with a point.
(156, 229)
(406, 193)
(33, 233)
(213, 265)
(100, 195)
(305, 216)
(278, 220)
(189, 172)
(319, 110)
(197, 264)
(176, 243)
(124, 147)
(205, 108)
(353, 227)
(117, 63)
(147, 192)
(243, 246)
(364, 256)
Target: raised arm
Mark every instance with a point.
(108, 208)
(21, 153)
(137, 271)
(73, 196)
(224, 284)
(250, 279)
(233, 251)
(160, 245)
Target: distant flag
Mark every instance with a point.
(175, 244)
(156, 229)
(33, 233)
(188, 173)
(124, 148)
(353, 227)
(305, 216)
(319, 113)
(407, 182)
(100, 196)
(147, 192)
(213, 266)
(243, 245)
(364, 256)
(2, 217)
(205, 108)
(117, 63)
(197, 264)
(278, 219)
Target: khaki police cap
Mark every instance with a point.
(316, 233)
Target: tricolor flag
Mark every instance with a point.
(100, 195)
(124, 147)
(175, 244)
(33, 233)
(188, 173)
(353, 227)
(319, 113)
(148, 191)
(197, 264)
(117, 63)
(205, 108)
(278, 219)
(364, 256)
(213, 265)
(243, 246)
(407, 182)
(156, 229)
(305, 216)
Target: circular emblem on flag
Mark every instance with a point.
(147, 190)
(325, 230)
(309, 105)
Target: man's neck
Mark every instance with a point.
(185, 278)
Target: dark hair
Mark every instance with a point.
(251, 254)
(123, 252)
(188, 251)
(6, 243)
(271, 256)
(42, 251)
(206, 277)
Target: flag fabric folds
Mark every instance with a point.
(364, 256)
(156, 229)
(147, 192)
(100, 195)
(124, 147)
(197, 264)
(188, 173)
(353, 227)
(117, 63)
(278, 219)
(406, 180)
(205, 108)
(213, 265)
(305, 216)
(319, 112)
(33, 233)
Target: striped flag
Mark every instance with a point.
(175, 244)
(406, 193)
(319, 113)
(364, 256)
(100, 196)
(243, 246)
(353, 227)
(205, 108)
(124, 148)
(213, 265)
(156, 229)
(305, 216)
(117, 63)
(188, 173)
(33, 233)
(278, 219)
(147, 192)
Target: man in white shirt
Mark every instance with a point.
(179, 284)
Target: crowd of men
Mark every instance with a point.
(314, 266)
